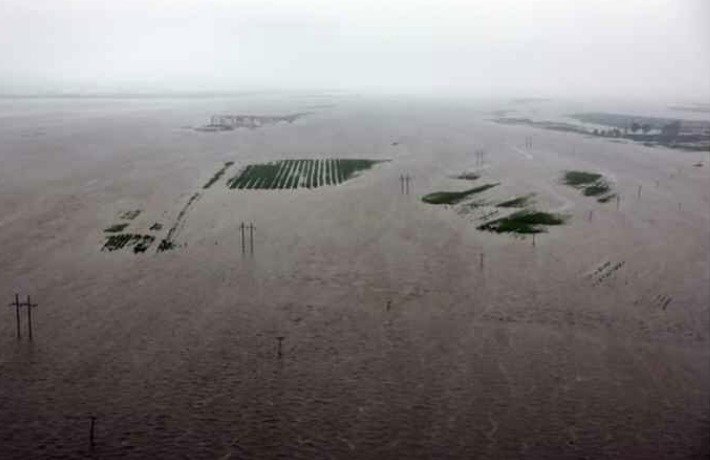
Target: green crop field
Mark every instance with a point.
(115, 228)
(517, 202)
(454, 197)
(591, 184)
(139, 243)
(526, 221)
(580, 178)
(292, 174)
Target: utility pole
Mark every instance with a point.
(279, 352)
(17, 306)
(251, 237)
(480, 154)
(29, 306)
(91, 432)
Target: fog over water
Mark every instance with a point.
(365, 229)
(585, 48)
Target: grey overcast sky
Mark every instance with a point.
(573, 48)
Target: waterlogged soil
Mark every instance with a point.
(407, 332)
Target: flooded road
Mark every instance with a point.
(176, 353)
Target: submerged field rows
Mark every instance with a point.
(292, 174)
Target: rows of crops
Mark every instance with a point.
(291, 174)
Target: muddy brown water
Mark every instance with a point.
(175, 353)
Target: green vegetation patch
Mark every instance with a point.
(454, 197)
(596, 189)
(165, 245)
(130, 215)
(591, 184)
(139, 243)
(115, 228)
(527, 221)
(606, 198)
(580, 178)
(517, 202)
(218, 175)
(468, 176)
(292, 174)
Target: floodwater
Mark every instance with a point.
(491, 347)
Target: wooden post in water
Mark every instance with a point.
(533, 240)
(481, 260)
(618, 199)
(279, 352)
(407, 178)
(639, 193)
(241, 228)
(17, 306)
(29, 306)
(590, 215)
(91, 431)
(401, 184)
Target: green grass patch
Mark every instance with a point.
(528, 221)
(115, 228)
(517, 202)
(580, 178)
(454, 197)
(218, 175)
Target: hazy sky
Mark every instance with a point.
(649, 48)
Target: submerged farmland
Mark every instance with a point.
(292, 174)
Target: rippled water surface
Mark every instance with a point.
(524, 354)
